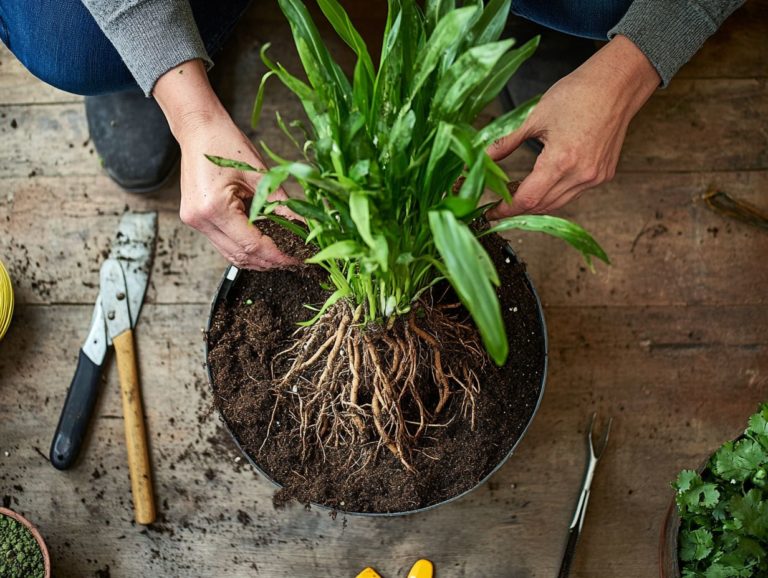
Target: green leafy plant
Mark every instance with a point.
(393, 172)
(383, 151)
(724, 510)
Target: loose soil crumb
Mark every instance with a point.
(256, 322)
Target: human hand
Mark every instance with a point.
(581, 121)
(214, 200)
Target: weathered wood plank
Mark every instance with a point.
(61, 229)
(49, 139)
(669, 368)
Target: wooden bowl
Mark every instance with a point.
(36, 533)
(669, 565)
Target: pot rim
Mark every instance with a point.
(35, 533)
(225, 285)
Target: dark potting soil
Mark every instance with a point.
(256, 322)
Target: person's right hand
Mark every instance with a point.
(214, 200)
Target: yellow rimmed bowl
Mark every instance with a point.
(6, 300)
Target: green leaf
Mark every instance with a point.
(472, 187)
(360, 170)
(469, 71)
(570, 232)
(470, 271)
(386, 88)
(340, 250)
(257, 104)
(718, 570)
(494, 82)
(491, 23)
(758, 426)
(268, 184)
(347, 32)
(458, 206)
(318, 64)
(740, 460)
(440, 146)
(506, 123)
(232, 164)
(693, 495)
(289, 225)
(360, 213)
(402, 132)
(307, 210)
(496, 179)
(362, 88)
(436, 11)
(447, 34)
(752, 511)
(695, 545)
(333, 299)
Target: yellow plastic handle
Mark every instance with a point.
(422, 569)
(6, 300)
(368, 573)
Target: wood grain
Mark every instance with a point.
(139, 467)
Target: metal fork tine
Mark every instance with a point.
(598, 452)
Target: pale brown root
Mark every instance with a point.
(341, 332)
(357, 389)
(440, 377)
(354, 370)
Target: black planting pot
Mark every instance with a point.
(229, 280)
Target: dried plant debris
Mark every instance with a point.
(724, 204)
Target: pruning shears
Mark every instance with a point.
(123, 283)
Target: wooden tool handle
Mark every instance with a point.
(135, 433)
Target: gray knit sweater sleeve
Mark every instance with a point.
(670, 32)
(151, 36)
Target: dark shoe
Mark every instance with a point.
(133, 140)
(557, 56)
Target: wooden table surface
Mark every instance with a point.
(671, 340)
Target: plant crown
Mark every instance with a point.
(383, 150)
(724, 511)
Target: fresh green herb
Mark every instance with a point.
(384, 148)
(724, 511)
(20, 555)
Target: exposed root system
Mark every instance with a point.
(372, 387)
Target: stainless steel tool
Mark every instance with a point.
(594, 455)
(133, 249)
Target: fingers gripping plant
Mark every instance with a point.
(380, 159)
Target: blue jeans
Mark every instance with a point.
(59, 42)
(585, 18)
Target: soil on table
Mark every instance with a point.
(256, 322)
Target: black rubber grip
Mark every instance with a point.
(76, 414)
(570, 550)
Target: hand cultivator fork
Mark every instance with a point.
(595, 453)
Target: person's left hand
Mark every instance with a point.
(581, 121)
